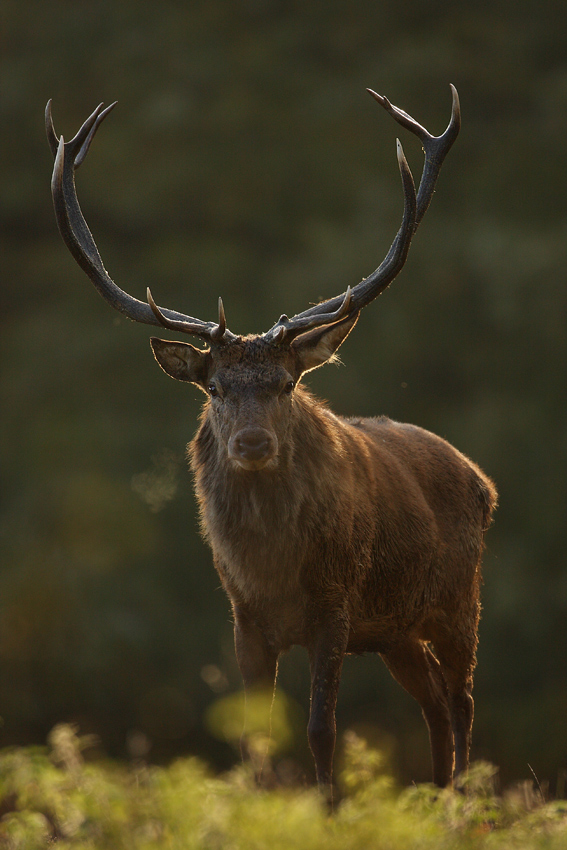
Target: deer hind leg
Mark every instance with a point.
(456, 650)
(417, 670)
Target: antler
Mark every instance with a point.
(352, 301)
(78, 238)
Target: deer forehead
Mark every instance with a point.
(252, 363)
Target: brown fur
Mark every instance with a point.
(357, 535)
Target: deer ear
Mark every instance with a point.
(319, 345)
(181, 360)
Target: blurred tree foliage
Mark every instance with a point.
(245, 159)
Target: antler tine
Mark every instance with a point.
(50, 129)
(206, 330)
(287, 329)
(83, 138)
(79, 240)
(88, 135)
(220, 330)
(435, 150)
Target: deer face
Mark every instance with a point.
(250, 387)
(250, 383)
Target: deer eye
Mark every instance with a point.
(289, 387)
(212, 389)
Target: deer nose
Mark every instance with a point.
(252, 447)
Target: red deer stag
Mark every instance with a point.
(339, 535)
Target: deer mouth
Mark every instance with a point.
(255, 465)
(253, 448)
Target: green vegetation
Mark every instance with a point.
(55, 798)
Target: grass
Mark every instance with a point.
(51, 797)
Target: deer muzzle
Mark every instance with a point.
(252, 448)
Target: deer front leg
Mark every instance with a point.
(257, 662)
(326, 653)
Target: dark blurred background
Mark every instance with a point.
(245, 159)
